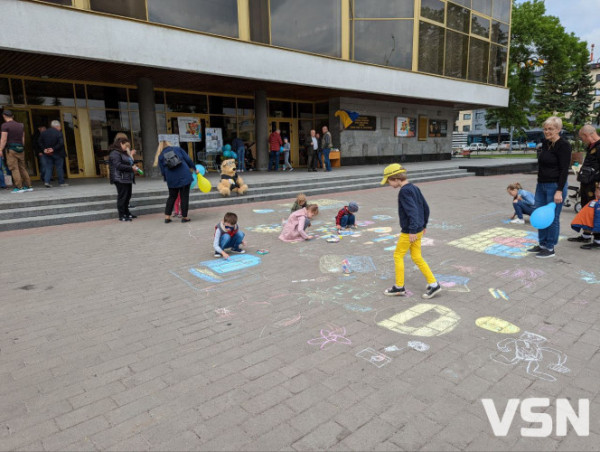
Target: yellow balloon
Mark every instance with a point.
(204, 184)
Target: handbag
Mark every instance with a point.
(587, 175)
(16, 147)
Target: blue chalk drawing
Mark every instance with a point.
(223, 269)
(384, 238)
(589, 277)
(381, 217)
(453, 283)
(263, 210)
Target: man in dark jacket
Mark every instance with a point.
(53, 145)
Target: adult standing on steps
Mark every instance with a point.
(275, 144)
(312, 145)
(53, 147)
(326, 146)
(122, 175)
(12, 141)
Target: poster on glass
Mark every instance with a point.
(405, 127)
(170, 137)
(214, 140)
(438, 128)
(190, 129)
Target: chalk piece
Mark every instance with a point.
(333, 240)
(262, 251)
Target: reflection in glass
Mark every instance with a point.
(212, 16)
(70, 145)
(228, 125)
(59, 2)
(47, 93)
(280, 109)
(219, 105)
(246, 130)
(483, 6)
(80, 95)
(501, 10)
(4, 92)
(383, 9)
(458, 18)
(500, 32)
(478, 60)
(322, 108)
(161, 122)
(466, 3)
(106, 97)
(126, 8)
(159, 100)
(187, 103)
(431, 48)
(17, 91)
(259, 21)
(457, 46)
(480, 26)
(245, 106)
(497, 73)
(385, 42)
(309, 25)
(305, 110)
(433, 9)
(136, 134)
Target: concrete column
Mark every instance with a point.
(261, 126)
(148, 123)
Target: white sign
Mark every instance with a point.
(190, 129)
(171, 138)
(214, 140)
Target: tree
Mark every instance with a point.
(582, 87)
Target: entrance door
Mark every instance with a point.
(192, 147)
(287, 128)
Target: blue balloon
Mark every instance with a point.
(201, 169)
(542, 217)
(195, 182)
(226, 148)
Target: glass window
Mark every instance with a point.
(136, 134)
(479, 116)
(480, 26)
(433, 9)
(161, 122)
(466, 3)
(309, 25)
(280, 109)
(322, 108)
(49, 93)
(596, 93)
(127, 8)
(159, 100)
(596, 105)
(383, 9)
(478, 126)
(497, 73)
(59, 2)
(246, 130)
(219, 105)
(385, 42)
(501, 10)
(458, 18)
(4, 92)
(500, 33)
(187, 103)
(483, 6)
(431, 48)
(106, 97)
(478, 60)
(467, 116)
(305, 110)
(598, 77)
(17, 91)
(259, 21)
(228, 125)
(80, 95)
(212, 16)
(457, 46)
(466, 128)
(245, 107)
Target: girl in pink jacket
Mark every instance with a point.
(294, 228)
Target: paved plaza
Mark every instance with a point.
(131, 336)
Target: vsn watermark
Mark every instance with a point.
(564, 414)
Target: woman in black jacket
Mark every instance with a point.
(122, 175)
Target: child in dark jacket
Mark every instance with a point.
(413, 212)
(345, 217)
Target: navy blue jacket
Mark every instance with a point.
(52, 138)
(179, 176)
(412, 209)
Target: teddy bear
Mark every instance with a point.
(230, 180)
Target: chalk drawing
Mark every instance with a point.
(381, 217)
(415, 345)
(262, 210)
(364, 223)
(529, 348)
(389, 248)
(224, 313)
(330, 263)
(281, 326)
(547, 329)
(497, 294)
(217, 270)
(376, 358)
(526, 276)
(393, 348)
(453, 283)
(385, 238)
(465, 269)
(589, 277)
(445, 322)
(497, 325)
(329, 335)
(444, 226)
(357, 307)
(319, 279)
(266, 228)
(502, 242)
(580, 302)
(382, 230)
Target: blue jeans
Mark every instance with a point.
(274, 160)
(544, 194)
(2, 182)
(347, 220)
(240, 155)
(522, 208)
(50, 162)
(327, 162)
(232, 242)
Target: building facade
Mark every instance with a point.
(246, 67)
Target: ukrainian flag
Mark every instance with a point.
(347, 117)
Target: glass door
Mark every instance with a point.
(197, 146)
(287, 128)
(70, 127)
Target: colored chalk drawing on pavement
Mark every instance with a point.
(332, 263)
(526, 276)
(444, 323)
(363, 224)
(589, 277)
(381, 230)
(266, 228)
(444, 226)
(414, 345)
(502, 242)
(282, 325)
(329, 335)
(381, 217)
(218, 270)
(263, 210)
(497, 325)
(529, 348)
(497, 294)
(374, 357)
(453, 283)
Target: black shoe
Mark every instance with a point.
(186, 220)
(131, 206)
(132, 216)
(543, 254)
(124, 219)
(590, 246)
(579, 238)
(432, 291)
(395, 291)
(168, 220)
(535, 249)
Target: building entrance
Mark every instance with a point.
(288, 128)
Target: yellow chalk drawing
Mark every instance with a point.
(446, 322)
(503, 242)
(497, 325)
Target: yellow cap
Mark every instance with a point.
(391, 170)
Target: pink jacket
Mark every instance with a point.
(293, 230)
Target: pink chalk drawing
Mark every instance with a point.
(336, 334)
(288, 322)
(465, 269)
(580, 302)
(515, 242)
(526, 276)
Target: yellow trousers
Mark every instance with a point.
(402, 247)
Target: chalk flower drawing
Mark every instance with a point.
(529, 349)
(336, 334)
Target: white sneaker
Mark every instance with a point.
(518, 221)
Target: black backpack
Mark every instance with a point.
(172, 160)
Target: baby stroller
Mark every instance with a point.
(574, 197)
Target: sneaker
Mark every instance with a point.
(47, 185)
(543, 254)
(63, 185)
(518, 221)
(535, 249)
(27, 188)
(131, 216)
(395, 291)
(238, 250)
(432, 291)
(124, 219)
(218, 255)
(578, 239)
(18, 190)
(590, 246)
(291, 169)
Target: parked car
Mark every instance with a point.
(506, 145)
(477, 147)
(492, 147)
(531, 145)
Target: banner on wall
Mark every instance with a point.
(171, 138)
(405, 127)
(214, 140)
(190, 129)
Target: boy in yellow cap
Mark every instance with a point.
(413, 212)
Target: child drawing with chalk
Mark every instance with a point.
(300, 203)
(413, 212)
(523, 202)
(228, 235)
(345, 217)
(294, 230)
